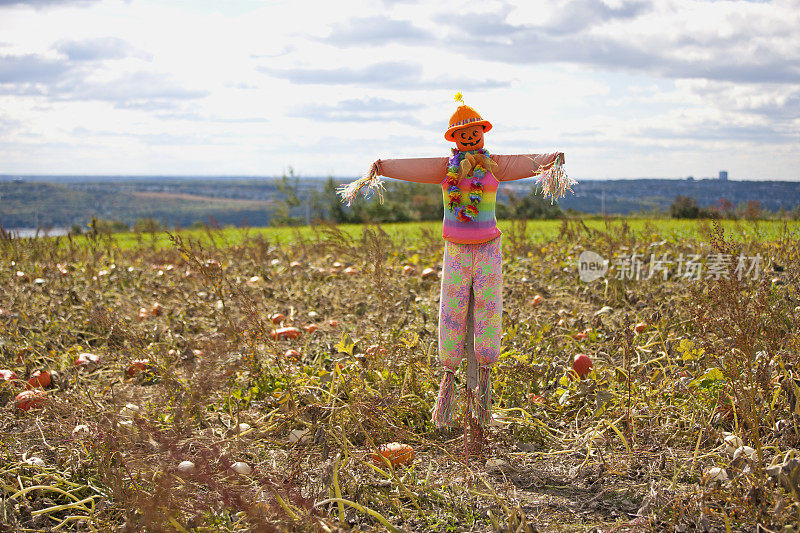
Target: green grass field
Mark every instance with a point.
(540, 231)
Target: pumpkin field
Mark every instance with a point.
(230, 380)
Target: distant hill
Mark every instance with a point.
(644, 195)
(32, 201)
(33, 204)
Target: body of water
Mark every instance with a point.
(24, 233)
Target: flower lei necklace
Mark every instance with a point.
(466, 213)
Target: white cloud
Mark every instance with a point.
(45, 3)
(628, 88)
(94, 49)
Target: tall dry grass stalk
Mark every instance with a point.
(749, 327)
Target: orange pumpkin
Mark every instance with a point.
(87, 360)
(429, 273)
(582, 364)
(30, 399)
(535, 399)
(137, 366)
(9, 375)
(395, 452)
(288, 332)
(375, 349)
(40, 379)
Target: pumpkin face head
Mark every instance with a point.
(468, 138)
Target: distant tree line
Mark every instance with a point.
(687, 207)
(106, 226)
(411, 202)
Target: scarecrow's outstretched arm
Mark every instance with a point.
(517, 167)
(419, 170)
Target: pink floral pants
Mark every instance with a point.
(479, 267)
(476, 267)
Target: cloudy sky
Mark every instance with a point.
(627, 88)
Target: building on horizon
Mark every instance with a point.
(723, 175)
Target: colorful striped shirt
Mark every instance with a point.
(484, 227)
(434, 170)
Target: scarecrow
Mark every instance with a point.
(472, 251)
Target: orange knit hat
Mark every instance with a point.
(465, 116)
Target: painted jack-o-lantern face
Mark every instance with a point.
(469, 138)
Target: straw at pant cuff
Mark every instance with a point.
(483, 401)
(445, 402)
